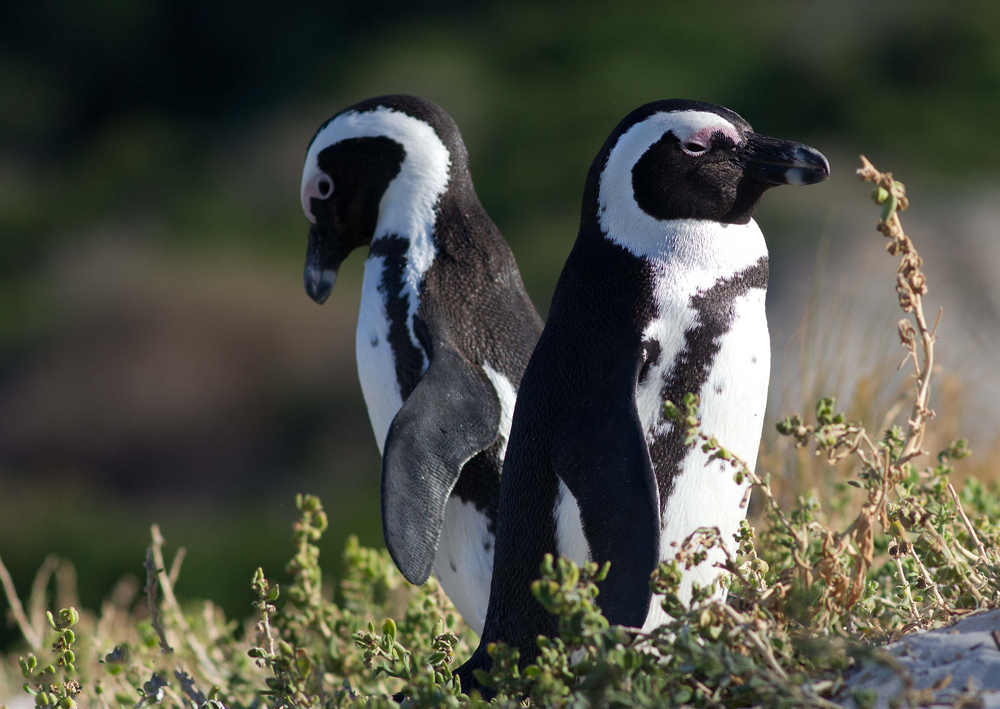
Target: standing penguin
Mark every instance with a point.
(662, 294)
(444, 333)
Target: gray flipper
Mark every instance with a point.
(600, 452)
(452, 414)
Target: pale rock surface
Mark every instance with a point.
(967, 651)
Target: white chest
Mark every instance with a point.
(376, 362)
(733, 399)
(733, 390)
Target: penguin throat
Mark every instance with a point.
(695, 252)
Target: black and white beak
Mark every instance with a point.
(323, 260)
(772, 161)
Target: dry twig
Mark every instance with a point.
(17, 610)
(152, 586)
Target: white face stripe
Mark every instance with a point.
(620, 216)
(423, 178)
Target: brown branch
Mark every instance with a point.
(911, 286)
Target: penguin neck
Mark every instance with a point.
(391, 359)
(400, 255)
(692, 253)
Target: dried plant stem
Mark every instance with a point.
(906, 590)
(188, 687)
(175, 566)
(36, 601)
(265, 626)
(755, 638)
(932, 585)
(707, 695)
(211, 627)
(910, 286)
(772, 662)
(176, 614)
(966, 579)
(921, 413)
(177, 701)
(152, 586)
(66, 591)
(18, 610)
(968, 525)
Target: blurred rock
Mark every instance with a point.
(964, 657)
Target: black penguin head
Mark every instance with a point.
(679, 159)
(379, 166)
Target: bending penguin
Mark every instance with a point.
(662, 294)
(444, 333)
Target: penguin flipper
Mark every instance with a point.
(452, 414)
(600, 452)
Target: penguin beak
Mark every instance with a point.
(772, 161)
(322, 263)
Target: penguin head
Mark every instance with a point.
(377, 167)
(680, 159)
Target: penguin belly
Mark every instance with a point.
(464, 560)
(463, 563)
(733, 399)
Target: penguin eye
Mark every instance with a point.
(318, 187)
(692, 148)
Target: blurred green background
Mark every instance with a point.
(159, 359)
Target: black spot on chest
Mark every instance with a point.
(691, 367)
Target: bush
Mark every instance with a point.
(806, 602)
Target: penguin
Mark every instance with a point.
(661, 295)
(445, 329)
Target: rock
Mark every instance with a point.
(941, 665)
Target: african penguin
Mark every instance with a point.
(444, 333)
(662, 294)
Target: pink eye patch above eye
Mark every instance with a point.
(703, 136)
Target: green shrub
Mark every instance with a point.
(807, 601)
